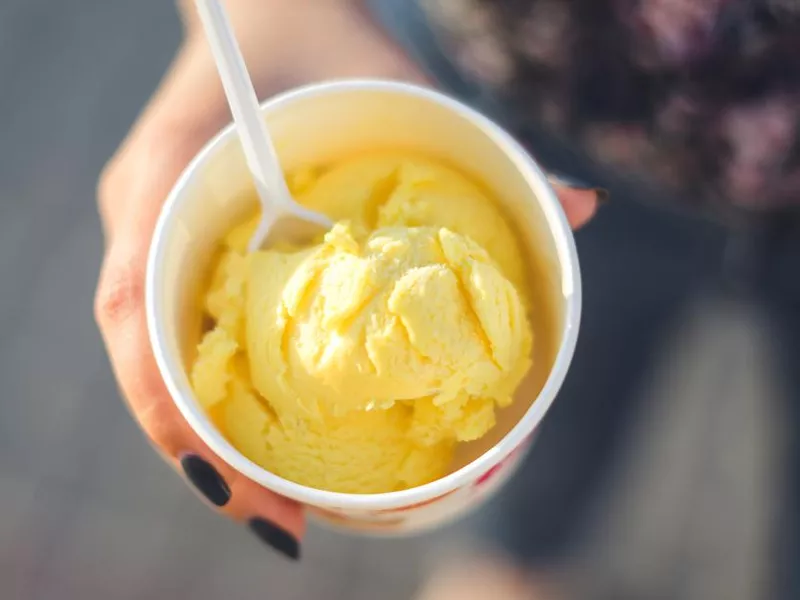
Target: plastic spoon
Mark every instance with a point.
(281, 217)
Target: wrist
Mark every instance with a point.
(247, 10)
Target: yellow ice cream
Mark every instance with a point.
(356, 364)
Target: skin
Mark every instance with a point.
(285, 43)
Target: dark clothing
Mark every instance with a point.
(659, 117)
(701, 97)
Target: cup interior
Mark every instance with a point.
(318, 125)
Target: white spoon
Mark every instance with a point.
(281, 216)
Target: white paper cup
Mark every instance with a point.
(318, 124)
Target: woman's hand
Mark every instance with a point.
(285, 43)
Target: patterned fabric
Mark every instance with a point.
(699, 95)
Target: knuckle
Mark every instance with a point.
(140, 158)
(119, 295)
(108, 184)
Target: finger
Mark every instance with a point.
(131, 193)
(275, 520)
(580, 204)
(120, 311)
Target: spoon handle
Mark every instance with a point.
(256, 143)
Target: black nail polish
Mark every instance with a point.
(275, 537)
(206, 479)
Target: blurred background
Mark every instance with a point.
(87, 509)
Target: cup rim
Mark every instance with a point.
(566, 251)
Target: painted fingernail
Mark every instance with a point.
(567, 181)
(275, 537)
(206, 479)
(578, 184)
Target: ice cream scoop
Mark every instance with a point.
(361, 323)
(357, 363)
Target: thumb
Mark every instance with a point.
(580, 202)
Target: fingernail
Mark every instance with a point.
(577, 184)
(206, 479)
(275, 537)
(567, 181)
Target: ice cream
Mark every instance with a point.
(357, 363)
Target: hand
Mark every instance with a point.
(285, 42)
